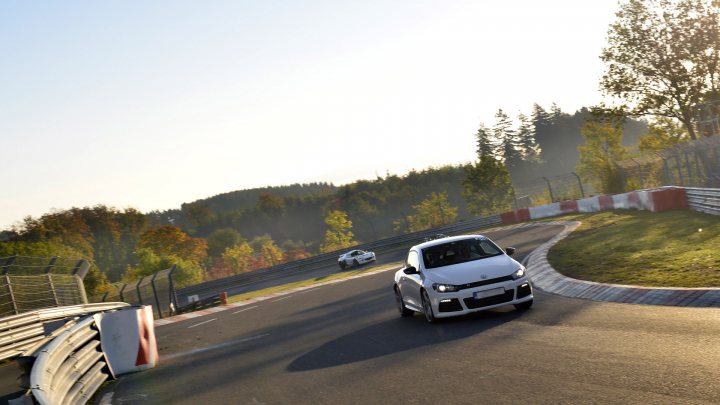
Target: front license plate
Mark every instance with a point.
(488, 293)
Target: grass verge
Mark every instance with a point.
(667, 249)
(304, 283)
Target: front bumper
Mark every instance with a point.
(464, 301)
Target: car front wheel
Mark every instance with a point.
(524, 305)
(401, 304)
(342, 265)
(355, 262)
(427, 307)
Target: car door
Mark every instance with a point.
(410, 283)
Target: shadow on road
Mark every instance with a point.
(398, 335)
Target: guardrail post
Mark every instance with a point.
(157, 299)
(552, 199)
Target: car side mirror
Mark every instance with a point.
(410, 270)
(510, 250)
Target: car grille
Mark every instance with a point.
(472, 303)
(484, 282)
(450, 305)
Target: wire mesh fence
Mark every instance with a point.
(29, 283)
(156, 290)
(545, 190)
(689, 164)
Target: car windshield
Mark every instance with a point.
(459, 251)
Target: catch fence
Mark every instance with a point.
(689, 164)
(28, 283)
(156, 290)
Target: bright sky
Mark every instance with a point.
(149, 104)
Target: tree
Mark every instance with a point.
(271, 253)
(221, 239)
(432, 212)
(485, 145)
(238, 258)
(506, 137)
(662, 134)
(172, 241)
(487, 187)
(663, 57)
(526, 139)
(603, 146)
(186, 272)
(339, 233)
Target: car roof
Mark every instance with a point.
(441, 241)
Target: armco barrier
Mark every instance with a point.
(20, 332)
(215, 287)
(705, 200)
(71, 367)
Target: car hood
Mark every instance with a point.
(470, 272)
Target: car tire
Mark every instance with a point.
(427, 308)
(342, 265)
(404, 311)
(355, 262)
(523, 306)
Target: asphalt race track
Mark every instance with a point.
(346, 344)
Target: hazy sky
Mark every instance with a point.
(149, 104)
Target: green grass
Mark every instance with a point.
(304, 283)
(667, 249)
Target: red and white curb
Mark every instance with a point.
(544, 277)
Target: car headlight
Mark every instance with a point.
(445, 288)
(519, 273)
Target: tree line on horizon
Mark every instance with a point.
(249, 229)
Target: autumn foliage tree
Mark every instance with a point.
(339, 233)
(172, 241)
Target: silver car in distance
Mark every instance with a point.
(458, 275)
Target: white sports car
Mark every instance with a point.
(355, 258)
(458, 275)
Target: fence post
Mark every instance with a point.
(137, 289)
(12, 296)
(81, 289)
(679, 169)
(552, 199)
(173, 296)
(52, 289)
(8, 262)
(122, 298)
(81, 268)
(157, 299)
(582, 192)
(50, 265)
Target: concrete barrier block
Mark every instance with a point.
(669, 199)
(606, 202)
(569, 207)
(544, 211)
(128, 339)
(591, 204)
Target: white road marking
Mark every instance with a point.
(202, 323)
(219, 346)
(283, 298)
(244, 309)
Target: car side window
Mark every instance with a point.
(413, 260)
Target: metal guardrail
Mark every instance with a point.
(18, 333)
(71, 367)
(215, 287)
(705, 200)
